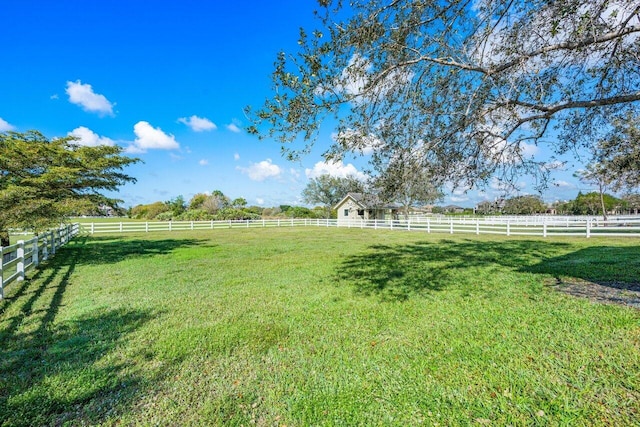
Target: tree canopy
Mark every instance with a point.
(482, 81)
(404, 182)
(617, 155)
(524, 205)
(328, 190)
(43, 181)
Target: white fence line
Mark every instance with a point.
(17, 259)
(509, 226)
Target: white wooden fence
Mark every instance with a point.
(17, 259)
(510, 226)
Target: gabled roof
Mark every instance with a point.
(365, 201)
(356, 197)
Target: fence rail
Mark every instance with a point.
(17, 259)
(509, 226)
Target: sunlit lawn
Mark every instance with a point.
(318, 326)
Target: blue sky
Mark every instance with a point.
(168, 81)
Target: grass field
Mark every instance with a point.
(314, 326)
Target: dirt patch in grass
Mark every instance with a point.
(627, 294)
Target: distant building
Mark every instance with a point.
(452, 209)
(358, 206)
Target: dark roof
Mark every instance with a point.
(366, 201)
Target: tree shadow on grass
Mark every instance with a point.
(398, 272)
(601, 273)
(110, 250)
(56, 372)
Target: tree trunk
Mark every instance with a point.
(604, 210)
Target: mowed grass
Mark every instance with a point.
(315, 326)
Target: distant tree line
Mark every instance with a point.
(216, 206)
(584, 204)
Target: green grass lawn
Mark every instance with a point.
(318, 326)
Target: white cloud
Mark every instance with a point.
(5, 126)
(84, 96)
(336, 169)
(294, 172)
(262, 171)
(260, 201)
(529, 150)
(458, 199)
(203, 162)
(150, 138)
(89, 138)
(198, 124)
(564, 184)
(234, 128)
(236, 157)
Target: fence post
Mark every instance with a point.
(544, 228)
(192, 225)
(20, 266)
(92, 228)
(451, 225)
(428, 225)
(53, 242)
(169, 225)
(45, 248)
(588, 228)
(477, 226)
(146, 226)
(409, 225)
(121, 227)
(508, 228)
(35, 256)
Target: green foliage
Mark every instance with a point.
(150, 211)
(524, 205)
(302, 212)
(230, 213)
(254, 209)
(590, 203)
(405, 180)
(618, 154)
(239, 203)
(177, 206)
(44, 181)
(165, 216)
(196, 215)
(197, 201)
